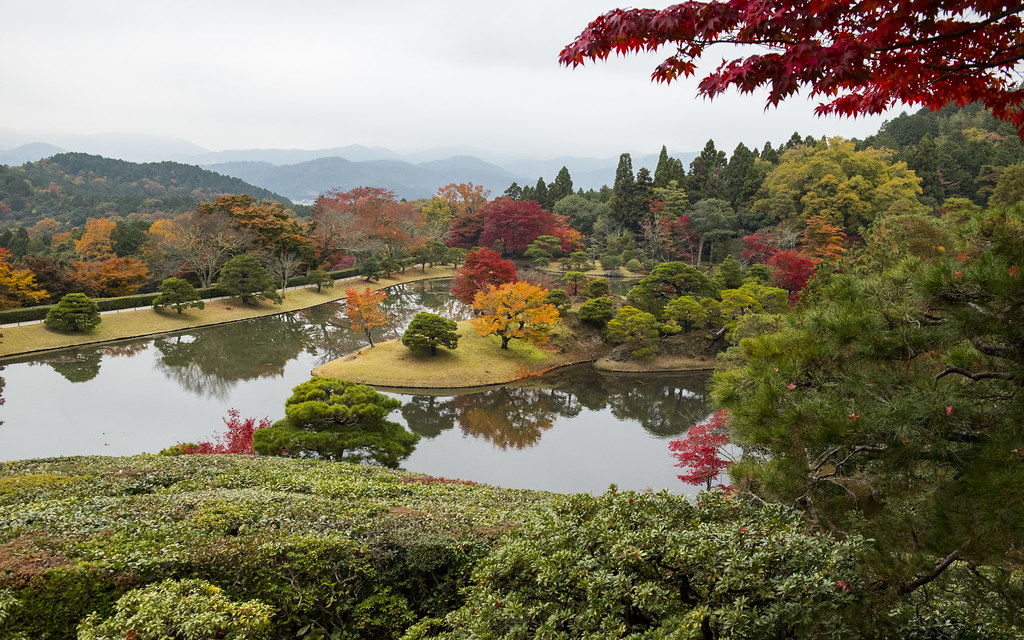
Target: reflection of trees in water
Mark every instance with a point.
(125, 349)
(81, 365)
(663, 406)
(429, 416)
(211, 361)
(662, 409)
(512, 417)
(405, 301)
(331, 332)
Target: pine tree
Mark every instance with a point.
(622, 199)
(561, 187)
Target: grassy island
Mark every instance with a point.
(476, 362)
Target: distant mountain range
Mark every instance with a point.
(301, 175)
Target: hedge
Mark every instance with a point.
(27, 314)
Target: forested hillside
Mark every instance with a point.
(73, 187)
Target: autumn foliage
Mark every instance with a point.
(514, 310)
(481, 268)
(365, 311)
(863, 57)
(700, 451)
(237, 438)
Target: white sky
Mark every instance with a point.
(407, 75)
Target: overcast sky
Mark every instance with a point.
(407, 75)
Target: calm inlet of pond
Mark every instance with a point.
(574, 430)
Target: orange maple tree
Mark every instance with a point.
(515, 310)
(111, 278)
(823, 241)
(365, 310)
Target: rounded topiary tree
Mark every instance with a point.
(597, 311)
(245, 277)
(428, 331)
(74, 312)
(178, 294)
(337, 420)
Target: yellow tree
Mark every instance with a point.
(365, 310)
(514, 310)
(97, 243)
(18, 287)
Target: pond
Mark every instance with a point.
(573, 430)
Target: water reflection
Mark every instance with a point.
(517, 417)
(577, 430)
(209, 363)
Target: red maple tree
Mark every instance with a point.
(863, 56)
(701, 451)
(758, 248)
(516, 223)
(791, 271)
(237, 438)
(481, 268)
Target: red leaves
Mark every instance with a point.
(237, 438)
(700, 450)
(863, 56)
(481, 268)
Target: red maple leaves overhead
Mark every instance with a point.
(862, 57)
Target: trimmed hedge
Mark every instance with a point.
(27, 314)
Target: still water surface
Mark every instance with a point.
(575, 430)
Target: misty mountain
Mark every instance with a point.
(303, 174)
(307, 180)
(28, 153)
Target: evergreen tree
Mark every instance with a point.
(178, 294)
(643, 192)
(245, 277)
(741, 177)
(768, 154)
(663, 170)
(428, 331)
(337, 420)
(514, 192)
(925, 164)
(622, 196)
(706, 174)
(561, 187)
(74, 312)
(731, 273)
(541, 195)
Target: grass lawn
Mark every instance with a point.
(143, 322)
(476, 362)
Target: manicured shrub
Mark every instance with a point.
(74, 312)
(178, 294)
(428, 331)
(597, 311)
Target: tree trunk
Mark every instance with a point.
(504, 341)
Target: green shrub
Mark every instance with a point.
(187, 609)
(640, 566)
(74, 312)
(597, 312)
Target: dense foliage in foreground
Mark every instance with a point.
(332, 547)
(244, 547)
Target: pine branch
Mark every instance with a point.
(979, 375)
(931, 575)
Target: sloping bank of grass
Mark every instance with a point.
(145, 322)
(477, 362)
(328, 545)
